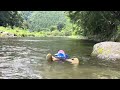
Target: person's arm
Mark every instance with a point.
(54, 58)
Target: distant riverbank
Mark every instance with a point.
(17, 32)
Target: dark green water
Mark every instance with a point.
(24, 58)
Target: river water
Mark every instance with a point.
(24, 58)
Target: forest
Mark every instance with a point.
(94, 25)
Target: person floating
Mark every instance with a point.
(61, 56)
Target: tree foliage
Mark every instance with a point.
(96, 24)
(26, 14)
(10, 18)
(40, 20)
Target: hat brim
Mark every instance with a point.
(56, 54)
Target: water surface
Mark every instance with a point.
(24, 58)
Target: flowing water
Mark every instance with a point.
(24, 58)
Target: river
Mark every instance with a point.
(24, 58)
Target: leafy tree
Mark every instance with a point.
(96, 24)
(10, 18)
(60, 26)
(26, 14)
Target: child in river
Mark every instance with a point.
(61, 56)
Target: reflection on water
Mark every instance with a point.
(24, 58)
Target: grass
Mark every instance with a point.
(21, 32)
(25, 33)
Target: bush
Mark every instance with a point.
(53, 28)
(56, 33)
(66, 32)
(45, 29)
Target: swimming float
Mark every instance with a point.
(51, 58)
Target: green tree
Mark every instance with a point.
(25, 15)
(101, 25)
(10, 18)
(60, 26)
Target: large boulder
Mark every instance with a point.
(107, 50)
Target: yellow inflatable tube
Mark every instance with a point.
(51, 58)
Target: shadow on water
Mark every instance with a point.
(24, 58)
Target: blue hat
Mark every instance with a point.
(60, 55)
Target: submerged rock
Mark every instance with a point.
(107, 50)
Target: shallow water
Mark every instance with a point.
(24, 58)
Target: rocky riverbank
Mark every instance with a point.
(6, 34)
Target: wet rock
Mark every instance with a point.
(6, 34)
(107, 50)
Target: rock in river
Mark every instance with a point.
(107, 50)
